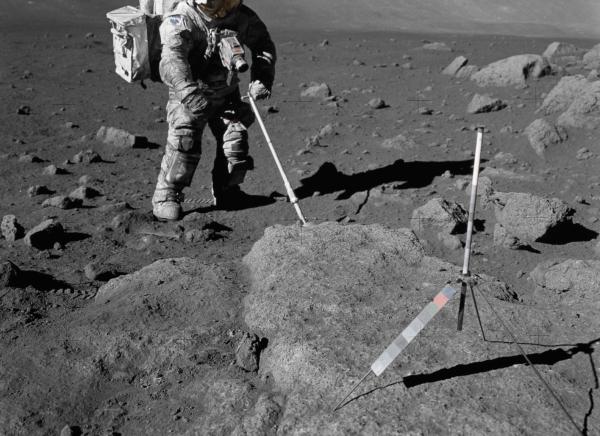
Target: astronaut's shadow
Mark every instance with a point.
(416, 174)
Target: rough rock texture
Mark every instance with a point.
(62, 202)
(44, 235)
(455, 66)
(9, 274)
(485, 103)
(584, 111)
(11, 229)
(87, 156)
(512, 71)
(119, 138)
(332, 301)
(529, 217)
(579, 278)
(316, 90)
(439, 215)
(592, 58)
(562, 53)
(566, 91)
(503, 239)
(247, 354)
(84, 193)
(542, 134)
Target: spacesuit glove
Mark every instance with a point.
(196, 102)
(258, 91)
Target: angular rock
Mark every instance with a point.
(483, 103)
(399, 142)
(377, 103)
(529, 217)
(542, 134)
(45, 235)
(592, 58)
(467, 71)
(11, 229)
(316, 90)
(584, 154)
(84, 193)
(584, 112)
(503, 239)
(87, 156)
(564, 93)
(455, 65)
(438, 215)
(30, 158)
(562, 53)
(35, 190)
(327, 130)
(512, 71)
(62, 202)
(247, 353)
(10, 274)
(100, 271)
(120, 138)
(53, 170)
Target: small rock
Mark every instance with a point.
(86, 156)
(196, 235)
(62, 202)
(71, 125)
(503, 239)
(451, 242)
(84, 193)
(53, 170)
(483, 103)
(11, 229)
(120, 138)
(316, 90)
(247, 354)
(584, 154)
(38, 190)
(44, 235)
(30, 158)
(399, 142)
(71, 430)
(312, 141)
(10, 274)
(461, 184)
(100, 272)
(542, 134)
(24, 110)
(425, 111)
(377, 103)
(407, 66)
(327, 130)
(89, 35)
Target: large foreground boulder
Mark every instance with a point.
(330, 298)
(512, 71)
(529, 217)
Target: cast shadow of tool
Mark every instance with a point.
(548, 357)
(417, 174)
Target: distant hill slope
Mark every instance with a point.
(549, 17)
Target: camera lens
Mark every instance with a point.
(240, 65)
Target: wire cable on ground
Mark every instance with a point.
(535, 370)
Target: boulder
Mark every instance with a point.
(439, 215)
(119, 138)
(467, 71)
(455, 66)
(316, 90)
(87, 157)
(562, 53)
(591, 59)
(584, 112)
(529, 217)
(564, 93)
(483, 103)
(332, 300)
(53, 170)
(377, 103)
(436, 46)
(36, 190)
(10, 274)
(580, 279)
(542, 134)
(512, 71)
(84, 193)
(45, 235)
(11, 229)
(62, 202)
(503, 239)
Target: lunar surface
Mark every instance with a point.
(245, 322)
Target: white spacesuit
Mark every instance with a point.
(202, 90)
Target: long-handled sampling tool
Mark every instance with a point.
(288, 187)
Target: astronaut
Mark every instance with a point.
(204, 91)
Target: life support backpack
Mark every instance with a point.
(136, 39)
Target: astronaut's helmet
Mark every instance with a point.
(216, 8)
